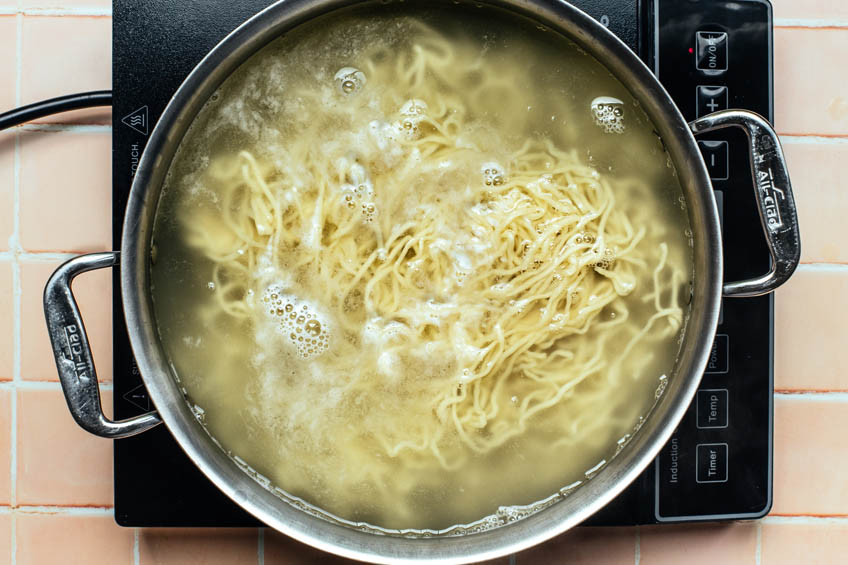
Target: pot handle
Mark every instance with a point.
(774, 198)
(73, 354)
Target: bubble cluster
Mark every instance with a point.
(358, 193)
(349, 80)
(493, 174)
(411, 115)
(606, 260)
(361, 196)
(299, 322)
(608, 113)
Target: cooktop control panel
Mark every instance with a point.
(709, 54)
(718, 463)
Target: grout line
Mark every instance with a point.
(758, 552)
(13, 456)
(44, 385)
(260, 542)
(80, 11)
(812, 139)
(17, 291)
(34, 257)
(65, 510)
(807, 520)
(14, 546)
(637, 549)
(16, 294)
(19, 58)
(813, 23)
(823, 267)
(812, 396)
(136, 552)
(72, 128)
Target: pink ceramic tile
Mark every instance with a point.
(817, 172)
(8, 61)
(811, 85)
(585, 546)
(94, 296)
(702, 544)
(66, 202)
(810, 311)
(819, 543)
(5, 451)
(810, 9)
(810, 456)
(206, 546)
(45, 539)
(63, 55)
(59, 463)
(7, 322)
(7, 188)
(6, 539)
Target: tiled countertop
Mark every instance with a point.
(56, 480)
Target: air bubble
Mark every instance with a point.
(313, 327)
(608, 113)
(210, 285)
(412, 114)
(349, 80)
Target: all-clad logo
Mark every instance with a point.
(771, 194)
(75, 348)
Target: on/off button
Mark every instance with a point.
(711, 51)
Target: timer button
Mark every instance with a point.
(711, 462)
(711, 51)
(710, 99)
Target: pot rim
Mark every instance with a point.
(206, 453)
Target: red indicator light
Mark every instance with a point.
(691, 50)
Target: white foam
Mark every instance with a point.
(300, 321)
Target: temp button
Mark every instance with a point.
(712, 408)
(711, 51)
(711, 463)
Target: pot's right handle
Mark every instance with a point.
(73, 354)
(774, 198)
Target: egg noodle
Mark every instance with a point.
(411, 269)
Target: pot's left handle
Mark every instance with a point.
(73, 354)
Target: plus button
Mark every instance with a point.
(711, 99)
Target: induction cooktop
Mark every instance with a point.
(709, 54)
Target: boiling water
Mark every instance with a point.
(308, 384)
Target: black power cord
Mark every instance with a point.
(67, 103)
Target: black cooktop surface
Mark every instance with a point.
(709, 55)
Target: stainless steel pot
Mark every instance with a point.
(76, 367)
